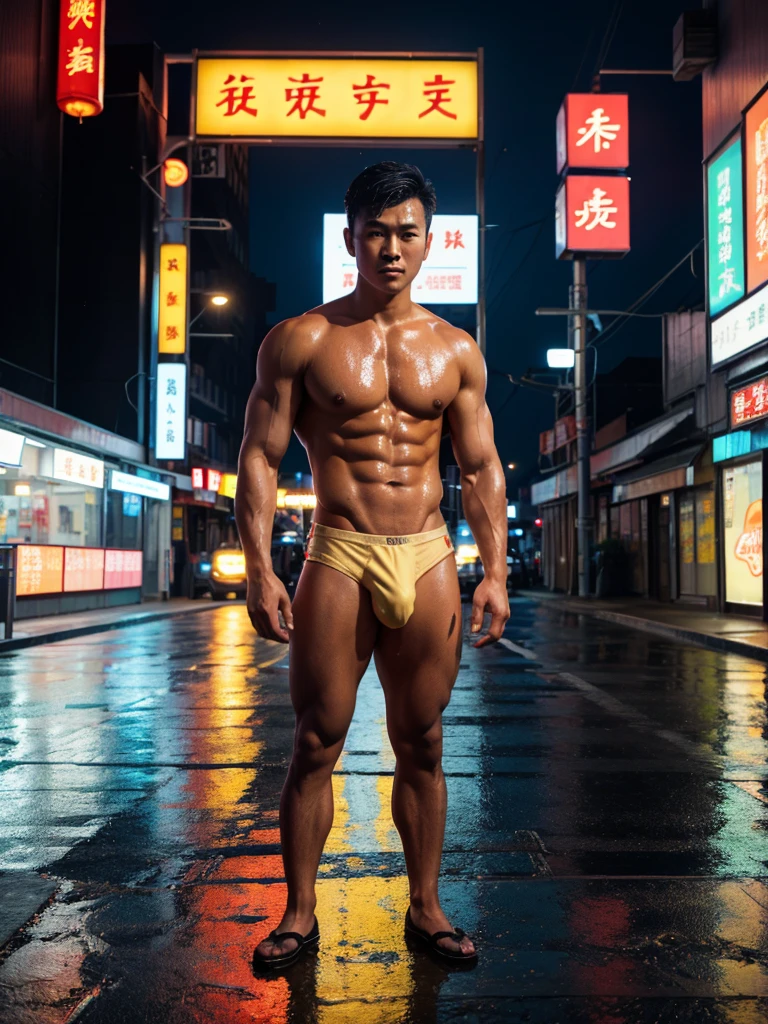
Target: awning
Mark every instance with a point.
(629, 449)
(559, 485)
(666, 474)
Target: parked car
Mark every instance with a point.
(467, 555)
(287, 558)
(227, 572)
(197, 575)
(470, 566)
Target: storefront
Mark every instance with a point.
(91, 532)
(736, 171)
(742, 498)
(740, 457)
(556, 500)
(664, 513)
(202, 520)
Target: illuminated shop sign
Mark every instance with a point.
(206, 479)
(593, 131)
(122, 569)
(83, 569)
(80, 82)
(741, 327)
(77, 469)
(749, 403)
(51, 569)
(39, 570)
(448, 276)
(295, 499)
(310, 97)
(725, 229)
(592, 215)
(172, 300)
(228, 485)
(11, 448)
(171, 411)
(756, 181)
(131, 484)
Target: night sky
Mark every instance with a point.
(534, 54)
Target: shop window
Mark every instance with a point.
(743, 533)
(35, 509)
(124, 520)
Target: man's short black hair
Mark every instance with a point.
(388, 184)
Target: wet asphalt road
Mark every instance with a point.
(606, 843)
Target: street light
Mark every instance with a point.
(560, 358)
(511, 465)
(216, 299)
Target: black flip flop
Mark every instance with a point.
(305, 942)
(432, 941)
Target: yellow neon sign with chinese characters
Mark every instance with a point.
(172, 303)
(336, 97)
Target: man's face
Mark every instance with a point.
(390, 248)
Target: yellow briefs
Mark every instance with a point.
(388, 567)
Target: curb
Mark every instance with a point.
(708, 640)
(97, 627)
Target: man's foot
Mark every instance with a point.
(426, 924)
(285, 943)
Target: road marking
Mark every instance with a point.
(616, 707)
(274, 661)
(522, 651)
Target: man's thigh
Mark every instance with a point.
(418, 664)
(334, 632)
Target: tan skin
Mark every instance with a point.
(365, 382)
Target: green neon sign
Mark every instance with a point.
(725, 229)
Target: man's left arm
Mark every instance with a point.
(483, 491)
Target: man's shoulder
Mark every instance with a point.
(293, 341)
(463, 345)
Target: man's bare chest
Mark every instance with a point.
(418, 376)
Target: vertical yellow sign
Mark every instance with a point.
(172, 311)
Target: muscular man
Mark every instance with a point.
(366, 383)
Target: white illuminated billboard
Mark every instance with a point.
(449, 274)
(11, 448)
(171, 411)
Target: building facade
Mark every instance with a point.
(97, 519)
(684, 493)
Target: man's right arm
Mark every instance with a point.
(269, 419)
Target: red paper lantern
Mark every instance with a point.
(80, 83)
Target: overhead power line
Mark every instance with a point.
(502, 291)
(616, 326)
(610, 32)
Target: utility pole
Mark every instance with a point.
(578, 303)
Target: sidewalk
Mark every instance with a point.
(732, 633)
(51, 628)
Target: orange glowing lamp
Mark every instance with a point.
(175, 172)
(80, 81)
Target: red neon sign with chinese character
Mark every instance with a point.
(592, 215)
(593, 131)
(80, 83)
(749, 403)
(206, 479)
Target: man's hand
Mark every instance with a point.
(266, 597)
(490, 597)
